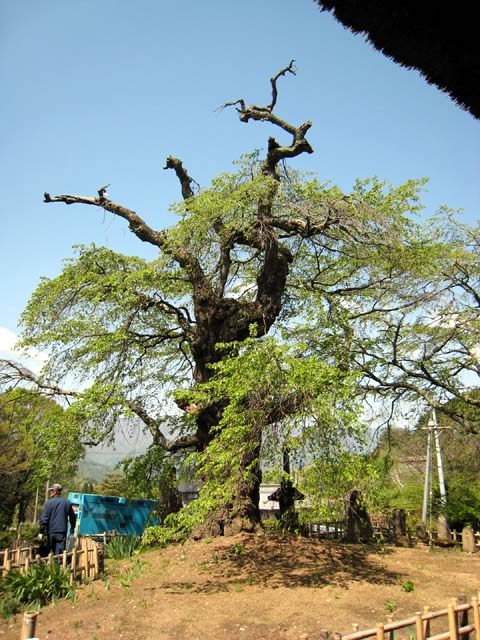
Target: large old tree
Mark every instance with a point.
(275, 303)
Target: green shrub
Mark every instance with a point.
(463, 506)
(38, 586)
(238, 549)
(28, 533)
(408, 586)
(7, 538)
(391, 606)
(177, 526)
(122, 547)
(159, 536)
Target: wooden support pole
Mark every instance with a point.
(87, 558)
(419, 626)
(380, 631)
(84, 558)
(96, 563)
(73, 566)
(29, 624)
(80, 554)
(426, 624)
(476, 616)
(87, 562)
(90, 559)
(464, 616)
(452, 622)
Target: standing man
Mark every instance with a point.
(54, 520)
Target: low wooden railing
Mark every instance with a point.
(84, 561)
(461, 618)
(16, 555)
(338, 528)
(456, 538)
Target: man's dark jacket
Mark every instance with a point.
(55, 516)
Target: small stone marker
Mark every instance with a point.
(468, 540)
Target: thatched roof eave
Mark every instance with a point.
(439, 40)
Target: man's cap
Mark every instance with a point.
(55, 487)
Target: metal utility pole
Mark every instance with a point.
(428, 466)
(434, 432)
(441, 477)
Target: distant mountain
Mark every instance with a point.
(99, 461)
(92, 471)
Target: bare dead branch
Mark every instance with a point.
(12, 372)
(240, 101)
(145, 233)
(102, 192)
(289, 69)
(276, 152)
(136, 224)
(185, 180)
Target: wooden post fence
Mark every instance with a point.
(83, 562)
(459, 619)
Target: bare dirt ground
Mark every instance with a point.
(254, 588)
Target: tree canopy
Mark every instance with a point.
(36, 443)
(276, 305)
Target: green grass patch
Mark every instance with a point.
(40, 585)
(122, 547)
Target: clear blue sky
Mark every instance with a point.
(101, 91)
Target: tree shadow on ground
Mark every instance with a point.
(276, 561)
